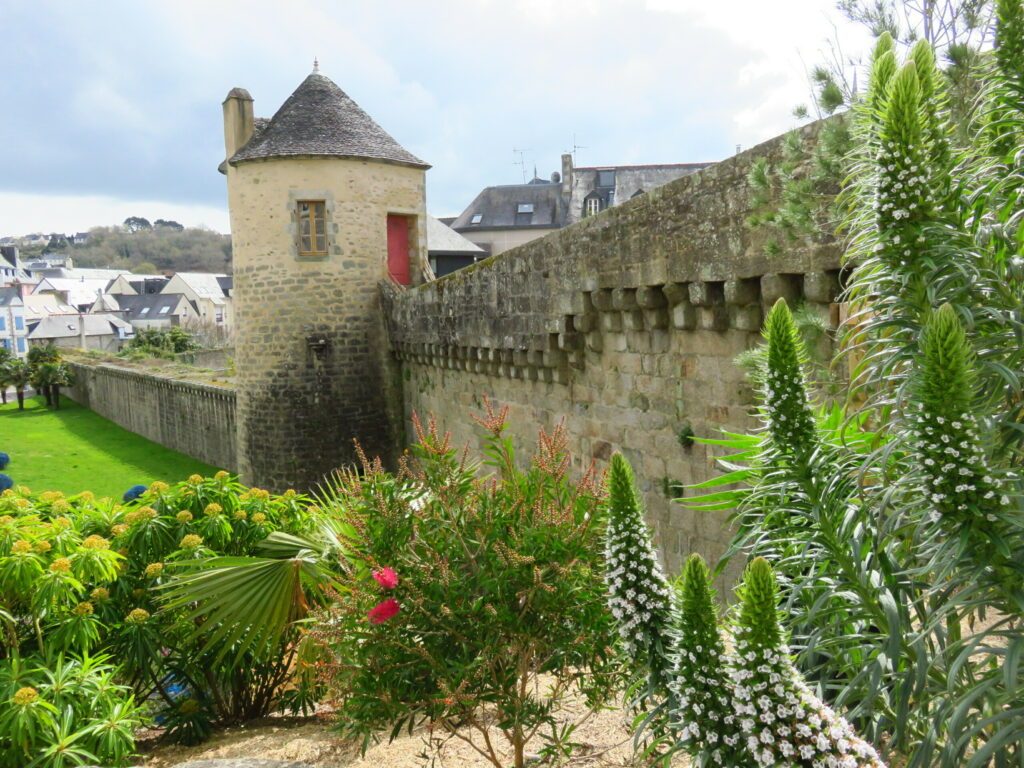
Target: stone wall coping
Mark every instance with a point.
(226, 393)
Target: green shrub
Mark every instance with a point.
(80, 575)
(65, 712)
(471, 601)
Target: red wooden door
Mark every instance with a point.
(398, 249)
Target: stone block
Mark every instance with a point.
(746, 318)
(584, 323)
(595, 341)
(570, 341)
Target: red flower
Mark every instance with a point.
(386, 577)
(383, 611)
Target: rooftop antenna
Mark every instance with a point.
(521, 162)
(575, 147)
(316, 65)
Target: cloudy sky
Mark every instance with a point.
(110, 109)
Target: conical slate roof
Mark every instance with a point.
(321, 119)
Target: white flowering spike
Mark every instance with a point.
(947, 446)
(782, 722)
(638, 593)
(786, 404)
(706, 725)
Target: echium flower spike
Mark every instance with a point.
(706, 725)
(904, 192)
(786, 404)
(638, 592)
(933, 105)
(883, 67)
(947, 445)
(781, 721)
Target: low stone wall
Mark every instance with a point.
(193, 418)
(625, 326)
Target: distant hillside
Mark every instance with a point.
(148, 248)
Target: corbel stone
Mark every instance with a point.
(650, 297)
(633, 321)
(706, 294)
(570, 341)
(602, 300)
(611, 322)
(624, 298)
(742, 291)
(676, 292)
(822, 287)
(684, 316)
(584, 323)
(595, 341)
(656, 318)
(714, 318)
(780, 286)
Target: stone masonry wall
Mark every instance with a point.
(625, 326)
(195, 419)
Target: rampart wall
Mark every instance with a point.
(190, 417)
(624, 325)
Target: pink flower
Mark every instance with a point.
(386, 577)
(383, 611)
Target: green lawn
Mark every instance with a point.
(74, 450)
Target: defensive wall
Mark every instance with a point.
(625, 326)
(191, 417)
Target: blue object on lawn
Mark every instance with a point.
(133, 493)
(4, 460)
(5, 482)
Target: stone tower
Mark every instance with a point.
(324, 206)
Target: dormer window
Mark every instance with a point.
(312, 228)
(591, 206)
(476, 218)
(524, 208)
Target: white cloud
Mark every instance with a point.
(22, 214)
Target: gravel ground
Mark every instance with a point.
(605, 738)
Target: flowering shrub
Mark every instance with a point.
(81, 575)
(474, 602)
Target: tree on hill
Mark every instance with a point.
(168, 224)
(137, 224)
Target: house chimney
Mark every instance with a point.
(81, 331)
(566, 175)
(238, 120)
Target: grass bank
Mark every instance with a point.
(74, 449)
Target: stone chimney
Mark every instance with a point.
(238, 120)
(566, 175)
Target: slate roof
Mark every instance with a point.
(498, 206)
(10, 297)
(62, 327)
(443, 239)
(132, 306)
(320, 119)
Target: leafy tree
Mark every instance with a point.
(168, 224)
(137, 224)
